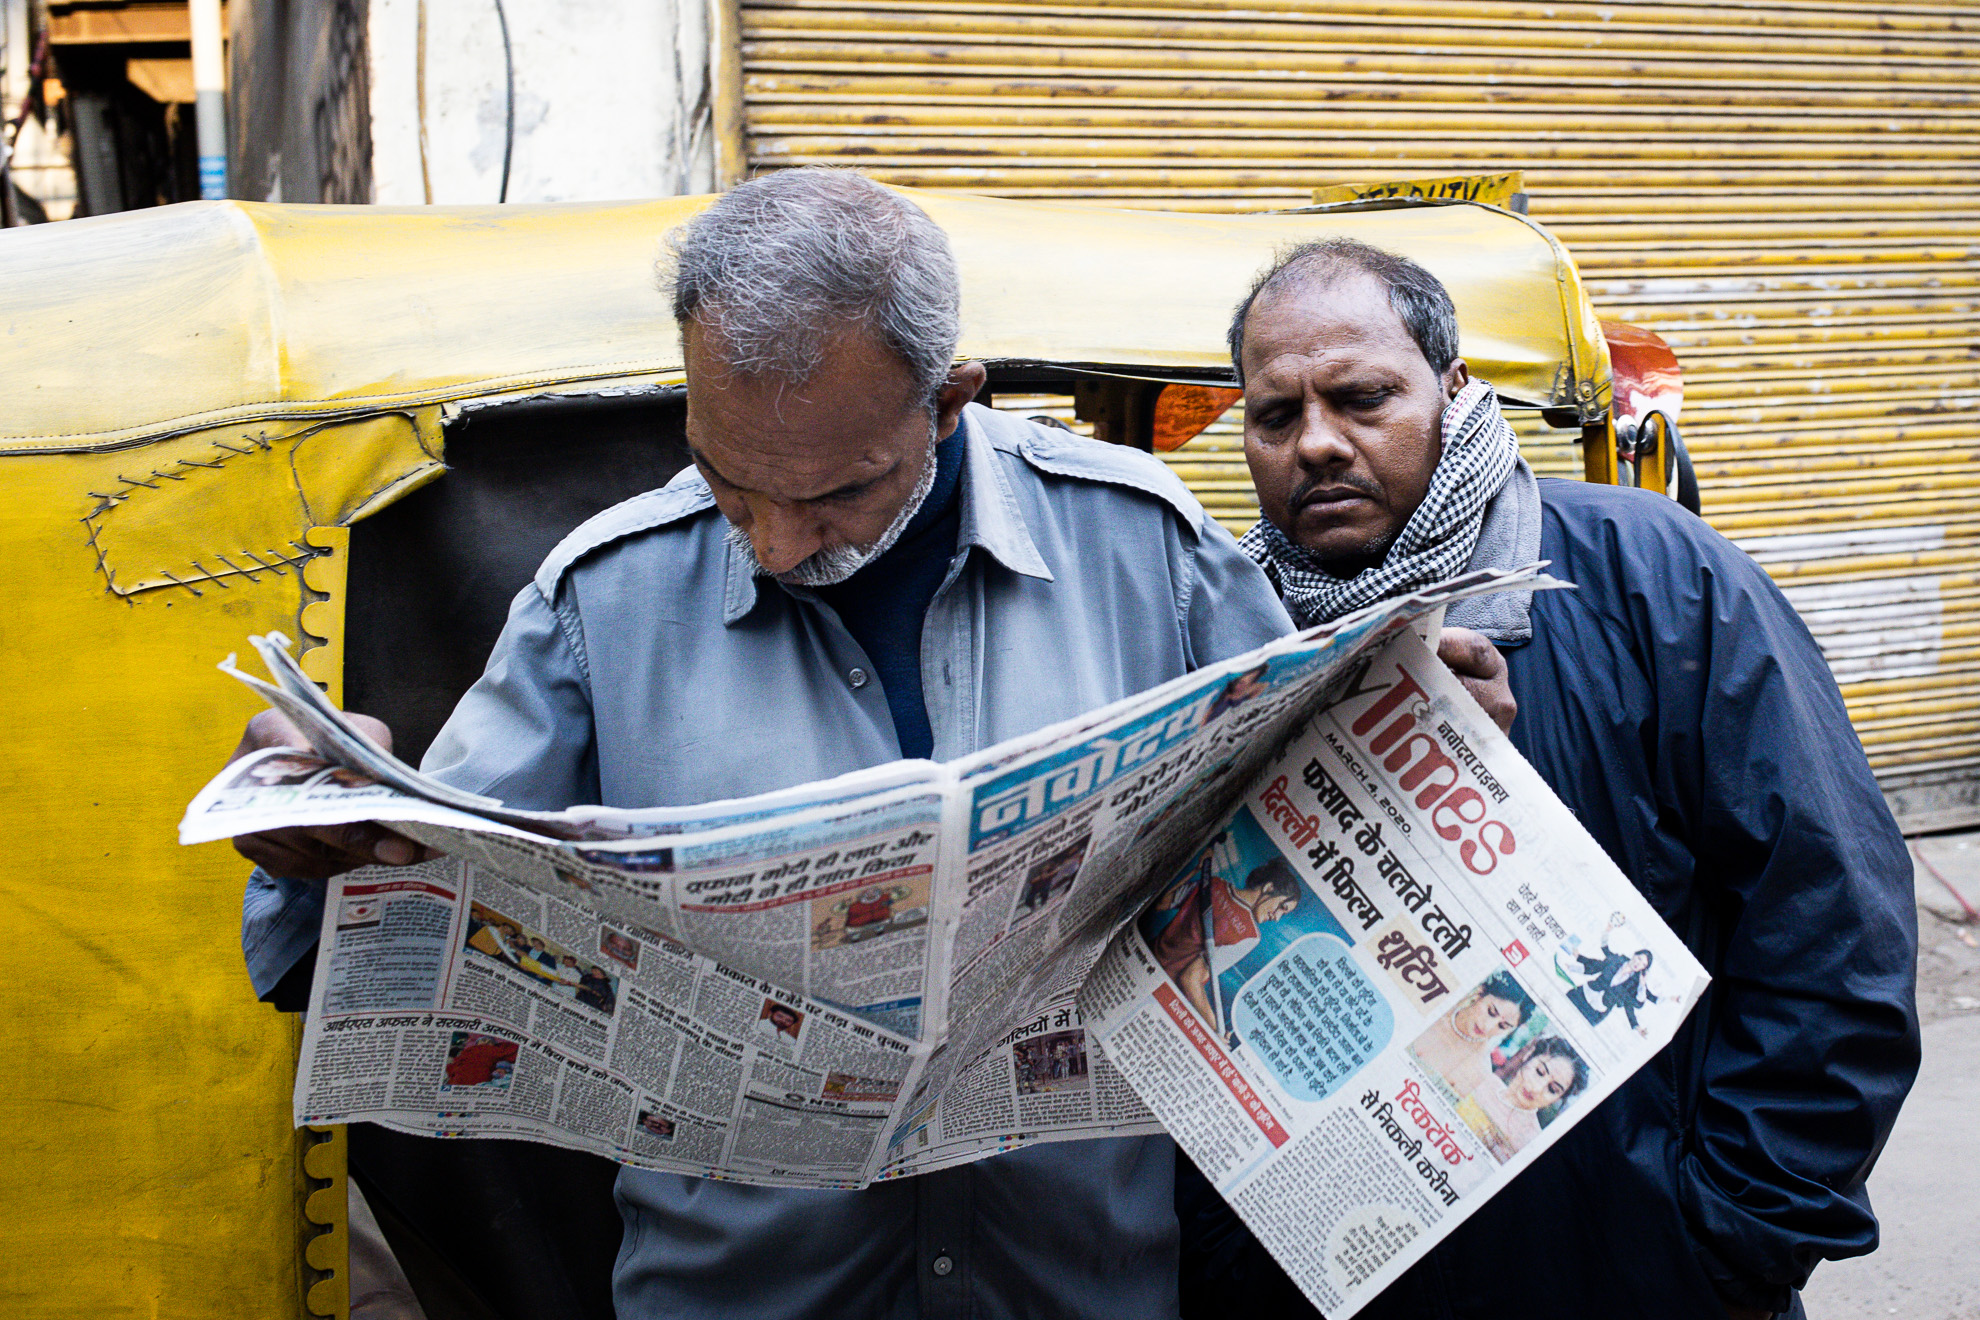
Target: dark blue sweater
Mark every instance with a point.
(883, 604)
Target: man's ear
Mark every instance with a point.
(1456, 377)
(965, 383)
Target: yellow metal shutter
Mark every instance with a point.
(1786, 192)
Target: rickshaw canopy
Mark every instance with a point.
(147, 324)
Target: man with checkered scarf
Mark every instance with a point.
(1677, 704)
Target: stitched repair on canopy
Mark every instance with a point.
(277, 559)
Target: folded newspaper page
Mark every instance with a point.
(1305, 909)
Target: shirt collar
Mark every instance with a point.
(991, 517)
(991, 520)
(739, 595)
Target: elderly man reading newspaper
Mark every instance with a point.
(1679, 707)
(860, 566)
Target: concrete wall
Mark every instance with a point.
(611, 100)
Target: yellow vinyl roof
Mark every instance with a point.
(130, 327)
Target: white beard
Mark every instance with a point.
(828, 568)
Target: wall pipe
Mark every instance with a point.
(726, 93)
(209, 98)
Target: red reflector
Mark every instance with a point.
(1183, 411)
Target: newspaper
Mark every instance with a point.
(1307, 910)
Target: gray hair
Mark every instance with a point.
(785, 260)
(1417, 296)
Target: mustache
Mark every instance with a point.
(1352, 480)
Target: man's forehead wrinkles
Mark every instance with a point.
(1322, 336)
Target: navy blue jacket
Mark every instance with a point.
(1678, 705)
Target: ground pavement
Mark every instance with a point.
(1926, 1188)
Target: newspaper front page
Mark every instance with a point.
(1386, 982)
(1061, 937)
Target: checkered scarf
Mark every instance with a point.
(1436, 543)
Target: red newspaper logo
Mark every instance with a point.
(1515, 953)
(1220, 1063)
(1455, 808)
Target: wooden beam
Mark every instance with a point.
(164, 81)
(126, 24)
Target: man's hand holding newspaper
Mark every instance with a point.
(1307, 910)
(317, 852)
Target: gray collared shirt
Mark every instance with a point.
(648, 664)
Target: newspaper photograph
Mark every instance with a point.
(1294, 909)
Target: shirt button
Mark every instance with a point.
(942, 1265)
(857, 678)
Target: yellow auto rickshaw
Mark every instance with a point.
(363, 426)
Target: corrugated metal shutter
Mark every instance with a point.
(1786, 192)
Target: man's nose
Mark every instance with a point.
(783, 534)
(1323, 443)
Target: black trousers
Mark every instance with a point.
(493, 1230)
